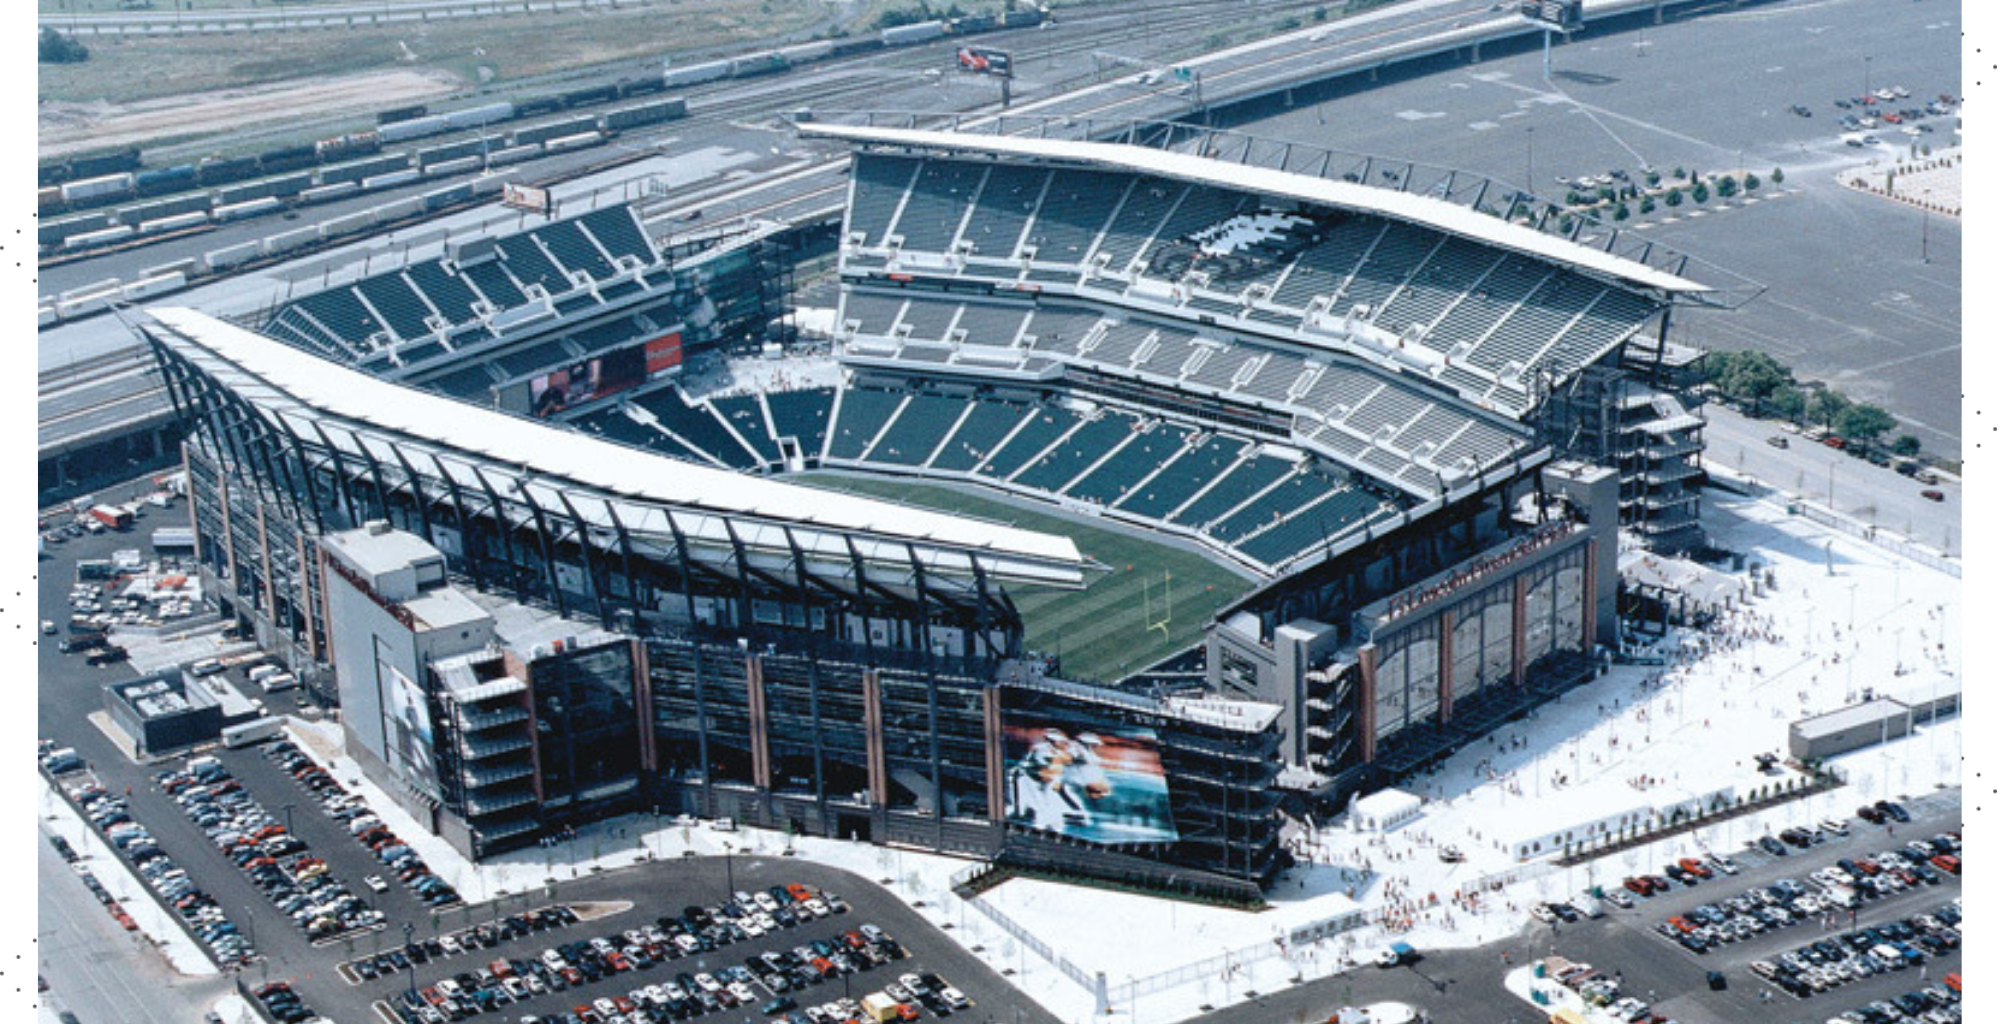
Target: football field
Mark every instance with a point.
(1152, 599)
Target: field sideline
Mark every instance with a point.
(1101, 631)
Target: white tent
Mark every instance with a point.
(1384, 810)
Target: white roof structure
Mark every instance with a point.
(533, 454)
(1418, 209)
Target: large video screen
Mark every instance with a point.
(1095, 781)
(590, 379)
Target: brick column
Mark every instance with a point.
(1589, 597)
(1366, 715)
(996, 764)
(760, 729)
(871, 720)
(1445, 620)
(1520, 630)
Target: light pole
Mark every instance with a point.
(408, 929)
(1867, 75)
(1531, 160)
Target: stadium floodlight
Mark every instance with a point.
(1552, 16)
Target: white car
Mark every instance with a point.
(954, 998)
(376, 883)
(765, 902)
(708, 983)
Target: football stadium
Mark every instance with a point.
(1165, 487)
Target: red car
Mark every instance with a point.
(1934, 495)
(1946, 862)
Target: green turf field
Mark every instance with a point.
(1102, 631)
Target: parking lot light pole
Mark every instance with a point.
(287, 808)
(408, 930)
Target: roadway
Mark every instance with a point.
(95, 968)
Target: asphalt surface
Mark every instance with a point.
(1466, 985)
(1870, 493)
(82, 953)
(1849, 297)
(95, 968)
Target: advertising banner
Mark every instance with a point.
(408, 727)
(984, 61)
(591, 379)
(1100, 782)
(663, 353)
(526, 197)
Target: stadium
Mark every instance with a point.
(1378, 426)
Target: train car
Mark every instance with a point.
(397, 209)
(454, 151)
(589, 97)
(553, 130)
(473, 117)
(625, 118)
(326, 193)
(750, 65)
(807, 53)
(973, 24)
(438, 199)
(290, 185)
(51, 175)
(538, 106)
(414, 128)
(97, 165)
(53, 232)
(98, 191)
(513, 155)
(459, 166)
(910, 35)
(640, 87)
(391, 179)
(395, 114)
(581, 140)
(243, 211)
(695, 74)
(164, 181)
(174, 222)
(48, 199)
(287, 158)
(223, 259)
(224, 170)
(856, 44)
(1026, 17)
(99, 238)
(247, 209)
(341, 147)
(359, 169)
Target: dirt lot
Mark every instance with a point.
(76, 127)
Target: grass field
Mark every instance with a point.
(1101, 631)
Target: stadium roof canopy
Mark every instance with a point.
(638, 490)
(1410, 207)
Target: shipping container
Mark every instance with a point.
(113, 516)
(257, 730)
(48, 198)
(909, 35)
(512, 155)
(177, 223)
(94, 239)
(473, 117)
(326, 192)
(455, 150)
(51, 175)
(82, 304)
(164, 208)
(164, 181)
(392, 179)
(972, 24)
(106, 187)
(235, 255)
(553, 130)
(361, 169)
(856, 44)
(582, 140)
(438, 199)
(694, 74)
(242, 193)
(290, 185)
(415, 128)
(487, 184)
(644, 114)
(45, 315)
(1024, 18)
(182, 266)
(395, 210)
(447, 168)
(152, 286)
(288, 240)
(247, 208)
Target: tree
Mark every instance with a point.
(1789, 402)
(1680, 173)
(1621, 212)
(1700, 192)
(1319, 13)
(1673, 197)
(1777, 175)
(1906, 445)
(1652, 178)
(56, 48)
(1726, 187)
(1646, 204)
(1864, 423)
(1750, 183)
(1824, 405)
(1749, 377)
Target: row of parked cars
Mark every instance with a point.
(298, 883)
(463, 942)
(1897, 945)
(395, 856)
(112, 818)
(1839, 886)
(1932, 1004)
(284, 1004)
(90, 882)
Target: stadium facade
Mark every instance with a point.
(1353, 394)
